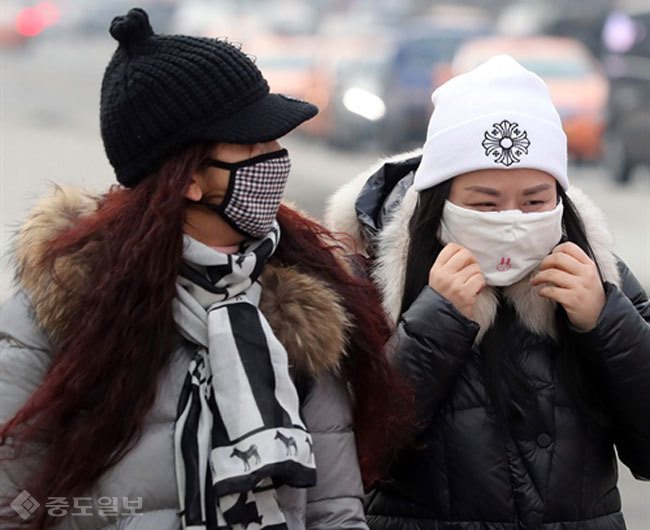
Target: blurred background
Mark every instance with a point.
(370, 65)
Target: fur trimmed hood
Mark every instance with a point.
(306, 315)
(392, 242)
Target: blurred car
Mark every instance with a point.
(420, 51)
(375, 85)
(578, 85)
(627, 138)
(10, 37)
(583, 23)
(290, 66)
(356, 110)
(340, 64)
(23, 20)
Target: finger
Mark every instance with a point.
(460, 260)
(559, 294)
(556, 277)
(447, 252)
(573, 250)
(563, 261)
(470, 270)
(475, 283)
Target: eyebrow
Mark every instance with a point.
(496, 193)
(536, 189)
(487, 191)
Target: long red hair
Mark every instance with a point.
(383, 402)
(107, 363)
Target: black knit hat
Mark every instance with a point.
(161, 93)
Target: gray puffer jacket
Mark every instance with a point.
(146, 475)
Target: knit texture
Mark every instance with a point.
(498, 116)
(161, 93)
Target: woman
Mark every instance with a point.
(527, 341)
(182, 350)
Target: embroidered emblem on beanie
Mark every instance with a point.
(506, 143)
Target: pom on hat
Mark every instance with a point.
(132, 27)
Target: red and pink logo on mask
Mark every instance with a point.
(504, 265)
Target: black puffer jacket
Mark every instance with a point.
(551, 471)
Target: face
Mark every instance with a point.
(493, 190)
(210, 184)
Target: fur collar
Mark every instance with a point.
(536, 313)
(305, 314)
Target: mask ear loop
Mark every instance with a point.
(213, 162)
(220, 208)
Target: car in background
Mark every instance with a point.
(23, 20)
(10, 37)
(377, 82)
(290, 66)
(627, 137)
(357, 109)
(577, 82)
(420, 51)
(343, 68)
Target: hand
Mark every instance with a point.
(574, 283)
(456, 275)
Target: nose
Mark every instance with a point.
(510, 205)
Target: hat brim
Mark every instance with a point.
(264, 120)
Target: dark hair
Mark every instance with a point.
(424, 246)
(510, 391)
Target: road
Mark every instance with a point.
(49, 102)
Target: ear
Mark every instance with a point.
(194, 191)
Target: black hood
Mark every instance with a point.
(381, 193)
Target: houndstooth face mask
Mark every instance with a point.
(254, 192)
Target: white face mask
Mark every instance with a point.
(507, 244)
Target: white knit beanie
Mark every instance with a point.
(498, 116)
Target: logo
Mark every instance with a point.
(25, 505)
(504, 265)
(506, 143)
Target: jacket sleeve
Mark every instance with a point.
(335, 503)
(432, 342)
(620, 343)
(24, 360)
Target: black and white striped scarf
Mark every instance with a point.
(238, 432)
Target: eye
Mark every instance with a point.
(534, 205)
(482, 205)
